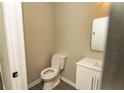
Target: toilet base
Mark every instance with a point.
(50, 84)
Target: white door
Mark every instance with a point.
(5, 66)
(84, 80)
(5, 73)
(13, 56)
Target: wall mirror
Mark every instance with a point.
(99, 33)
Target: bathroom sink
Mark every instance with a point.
(98, 64)
(91, 63)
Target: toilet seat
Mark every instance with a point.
(49, 73)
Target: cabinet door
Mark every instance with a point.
(85, 80)
(98, 82)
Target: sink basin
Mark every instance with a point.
(100, 64)
(91, 63)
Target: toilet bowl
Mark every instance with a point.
(51, 75)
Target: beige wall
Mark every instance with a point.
(72, 32)
(67, 26)
(38, 31)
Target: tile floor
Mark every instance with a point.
(62, 86)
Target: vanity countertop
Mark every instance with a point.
(91, 63)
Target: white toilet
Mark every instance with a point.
(51, 75)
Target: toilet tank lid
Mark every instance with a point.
(60, 55)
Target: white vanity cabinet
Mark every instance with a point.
(88, 74)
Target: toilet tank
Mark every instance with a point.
(58, 61)
(63, 60)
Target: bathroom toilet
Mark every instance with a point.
(51, 75)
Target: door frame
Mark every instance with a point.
(13, 24)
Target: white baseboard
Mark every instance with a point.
(68, 81)
(34, 83)
(62, 78)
